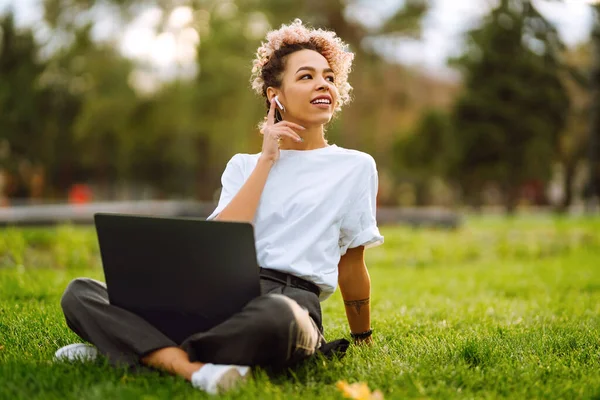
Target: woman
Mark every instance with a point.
(313, 209)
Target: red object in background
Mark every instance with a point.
(533, 192)
(80, 194)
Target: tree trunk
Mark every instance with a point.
(511, 198)
(568, 178)
(593, 144)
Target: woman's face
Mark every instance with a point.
(308, 91)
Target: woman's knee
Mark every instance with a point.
(74, 292)
(294, 326)
(278, 305)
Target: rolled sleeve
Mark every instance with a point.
(359, 225)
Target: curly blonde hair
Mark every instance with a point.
(268, 65)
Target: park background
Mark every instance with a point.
(476, 107)
(479, 103)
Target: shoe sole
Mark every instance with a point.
(62, 354)
(230, 380)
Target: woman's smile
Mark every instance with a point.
(322, 101)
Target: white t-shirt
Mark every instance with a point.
(315, 205)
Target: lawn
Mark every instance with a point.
(497, 309)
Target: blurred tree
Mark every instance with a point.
(508, 120)
(102, 128)
(21, 102)
(427, 153)
(166, 135)
(573, 143)
(119, 139)
(89, 104)
(593, 186)
(98, 128)
(227, 111)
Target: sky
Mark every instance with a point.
(442, 35)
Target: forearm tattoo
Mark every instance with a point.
(357, 304)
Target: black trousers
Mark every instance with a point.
(276, 330)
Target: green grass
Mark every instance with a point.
(496, 309)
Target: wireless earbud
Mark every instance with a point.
(281, 107)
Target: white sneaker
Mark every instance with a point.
(76, 352)
(216, 379)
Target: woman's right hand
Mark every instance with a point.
(272, 132)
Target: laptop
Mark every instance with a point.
(182, 275)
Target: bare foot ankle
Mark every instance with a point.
(188, 370)
(173, 360)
